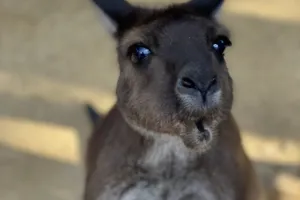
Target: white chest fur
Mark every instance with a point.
(167, 150)
(165, 155)
(166, 161)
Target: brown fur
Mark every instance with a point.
(150, 107)
(114, 144)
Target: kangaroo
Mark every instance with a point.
(171, 134)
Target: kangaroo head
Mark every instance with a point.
(173, 75)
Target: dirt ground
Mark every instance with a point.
(55, 55)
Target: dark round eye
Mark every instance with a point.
(220, 44)
(138, 53)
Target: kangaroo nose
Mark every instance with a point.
(189, 86)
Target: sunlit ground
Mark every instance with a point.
(50, 52)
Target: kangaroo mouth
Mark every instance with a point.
(204, 135)
(200, 135)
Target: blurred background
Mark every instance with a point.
(55, 56)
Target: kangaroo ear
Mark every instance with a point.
(210, 8)
(113, 11)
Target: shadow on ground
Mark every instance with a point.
(25, 176)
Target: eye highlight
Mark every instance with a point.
(139, 53)
(220, 44)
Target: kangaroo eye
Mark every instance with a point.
(220, 44)
(139, 53)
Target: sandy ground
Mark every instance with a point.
(54, 56)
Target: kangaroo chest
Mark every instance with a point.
(168, 171)
(190, 187)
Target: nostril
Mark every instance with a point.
(213, 81)
(187, 82)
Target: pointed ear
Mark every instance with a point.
(217, 9)
(210, 8)
(113, 11)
